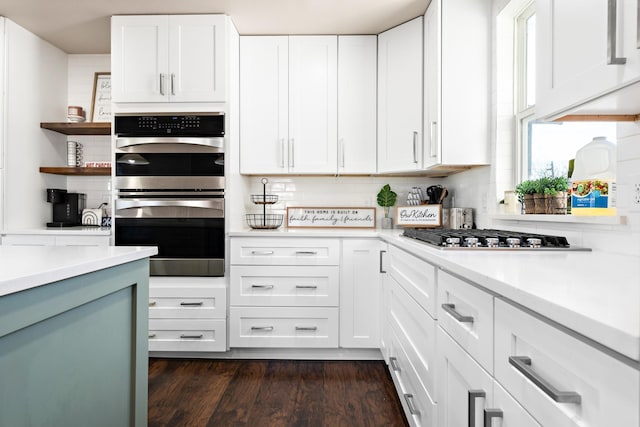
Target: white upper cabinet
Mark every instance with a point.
(288, 104)
(400, 98)
(586, 50)
(457, 52)
(357, 82)
(160, 58)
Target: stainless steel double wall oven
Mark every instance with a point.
(170, 190)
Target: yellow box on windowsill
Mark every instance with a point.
(593, 198)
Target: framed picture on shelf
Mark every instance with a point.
(101, 99)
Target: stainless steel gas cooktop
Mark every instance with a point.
(478, 239)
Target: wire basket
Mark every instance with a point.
(264, 199)
(264, 221)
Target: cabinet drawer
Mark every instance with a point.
(187, 302)
(285, 251)
(416, 401)
(284, 286)
(608, 390)
(187, 335)
(466, 313)
(513, 415)
(416, 276)
(416, 331)
(283, 327)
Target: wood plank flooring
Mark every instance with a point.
(256, 393)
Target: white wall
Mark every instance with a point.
(35, 88)
(82, 69)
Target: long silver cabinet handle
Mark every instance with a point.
(342, 152)
(306, 253)
(490, 414)
(292, 163)
(282, 153)
(306, 328)
(433, 140)
(173, 80)
(191, 337)
(161, 84)
(261, 252)
(262, 286)
(393, 362)
(152, 303)
(382, 253)
(192, 304)
(152, 335)
(523, 365)
(415, 147)
(306, 287)
(451, 309)
(408, 397)
(262, 328)
(473, 395)
(612, 30)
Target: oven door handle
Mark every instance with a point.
(215, 142)
(122, 204)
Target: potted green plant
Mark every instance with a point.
(555, 192)
(525, 191)
(540, 185)
(386, 199)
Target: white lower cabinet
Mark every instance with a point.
(53, 240)
(187, 314)
(507, 411)
(558, 379)
(465, 389)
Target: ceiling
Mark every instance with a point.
(82, 26)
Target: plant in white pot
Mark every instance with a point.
(386, 199)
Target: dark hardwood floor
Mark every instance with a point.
(256, 393)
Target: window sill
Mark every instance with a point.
(570, 219)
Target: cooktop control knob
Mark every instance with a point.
(452, 242)
(471, 242)
(533, 242)
(513, 242)
(492, 242)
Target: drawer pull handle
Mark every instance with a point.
(152, 335)
(191, 304)
(451, 309)
(262, 328)
(262, 286)
(191, 337)
(381, 254)
(408, 397)
(306, 287)
(306, 328)
(473, 395)
(490, 414)
(523, 365)
(261, 252)
(152, 303)
(306, 253)
(393, 362)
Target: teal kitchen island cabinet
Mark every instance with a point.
(73, 336)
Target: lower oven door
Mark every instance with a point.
(189, 233)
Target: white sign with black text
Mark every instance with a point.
(319, 217)
(419, 216)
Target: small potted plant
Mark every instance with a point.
(386, 199)
(525, 191)
(555, 193)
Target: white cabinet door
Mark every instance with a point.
(164, 58)
(400, 98)
(360, 292)
(197, 50)
(457, 79)
(573, 61)
(357, 101)
(264, 104)
(139, 58)
(313, 104)
(464, 388)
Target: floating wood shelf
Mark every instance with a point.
(83, 128)
(76, 171)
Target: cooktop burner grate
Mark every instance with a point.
(488, 239)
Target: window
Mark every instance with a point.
(544, 148)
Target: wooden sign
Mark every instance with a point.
(101, 99)
(330, 217)
(419, 216)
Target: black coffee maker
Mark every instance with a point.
(67, 207)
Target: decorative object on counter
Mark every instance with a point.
(593, 184)
(331, 217)
(457, 218)
(436, 194)
(97, 164)
(386, 199)
(75, 114)
(101, 98)
(510, 202)
(264, 220)
(543, 195)
(93, 217)
(525, 191)
(415, 197)
(423, 216)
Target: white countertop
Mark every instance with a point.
(64, 231)
(595, 294)
(24, 267)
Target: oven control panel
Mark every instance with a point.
(210, 125)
